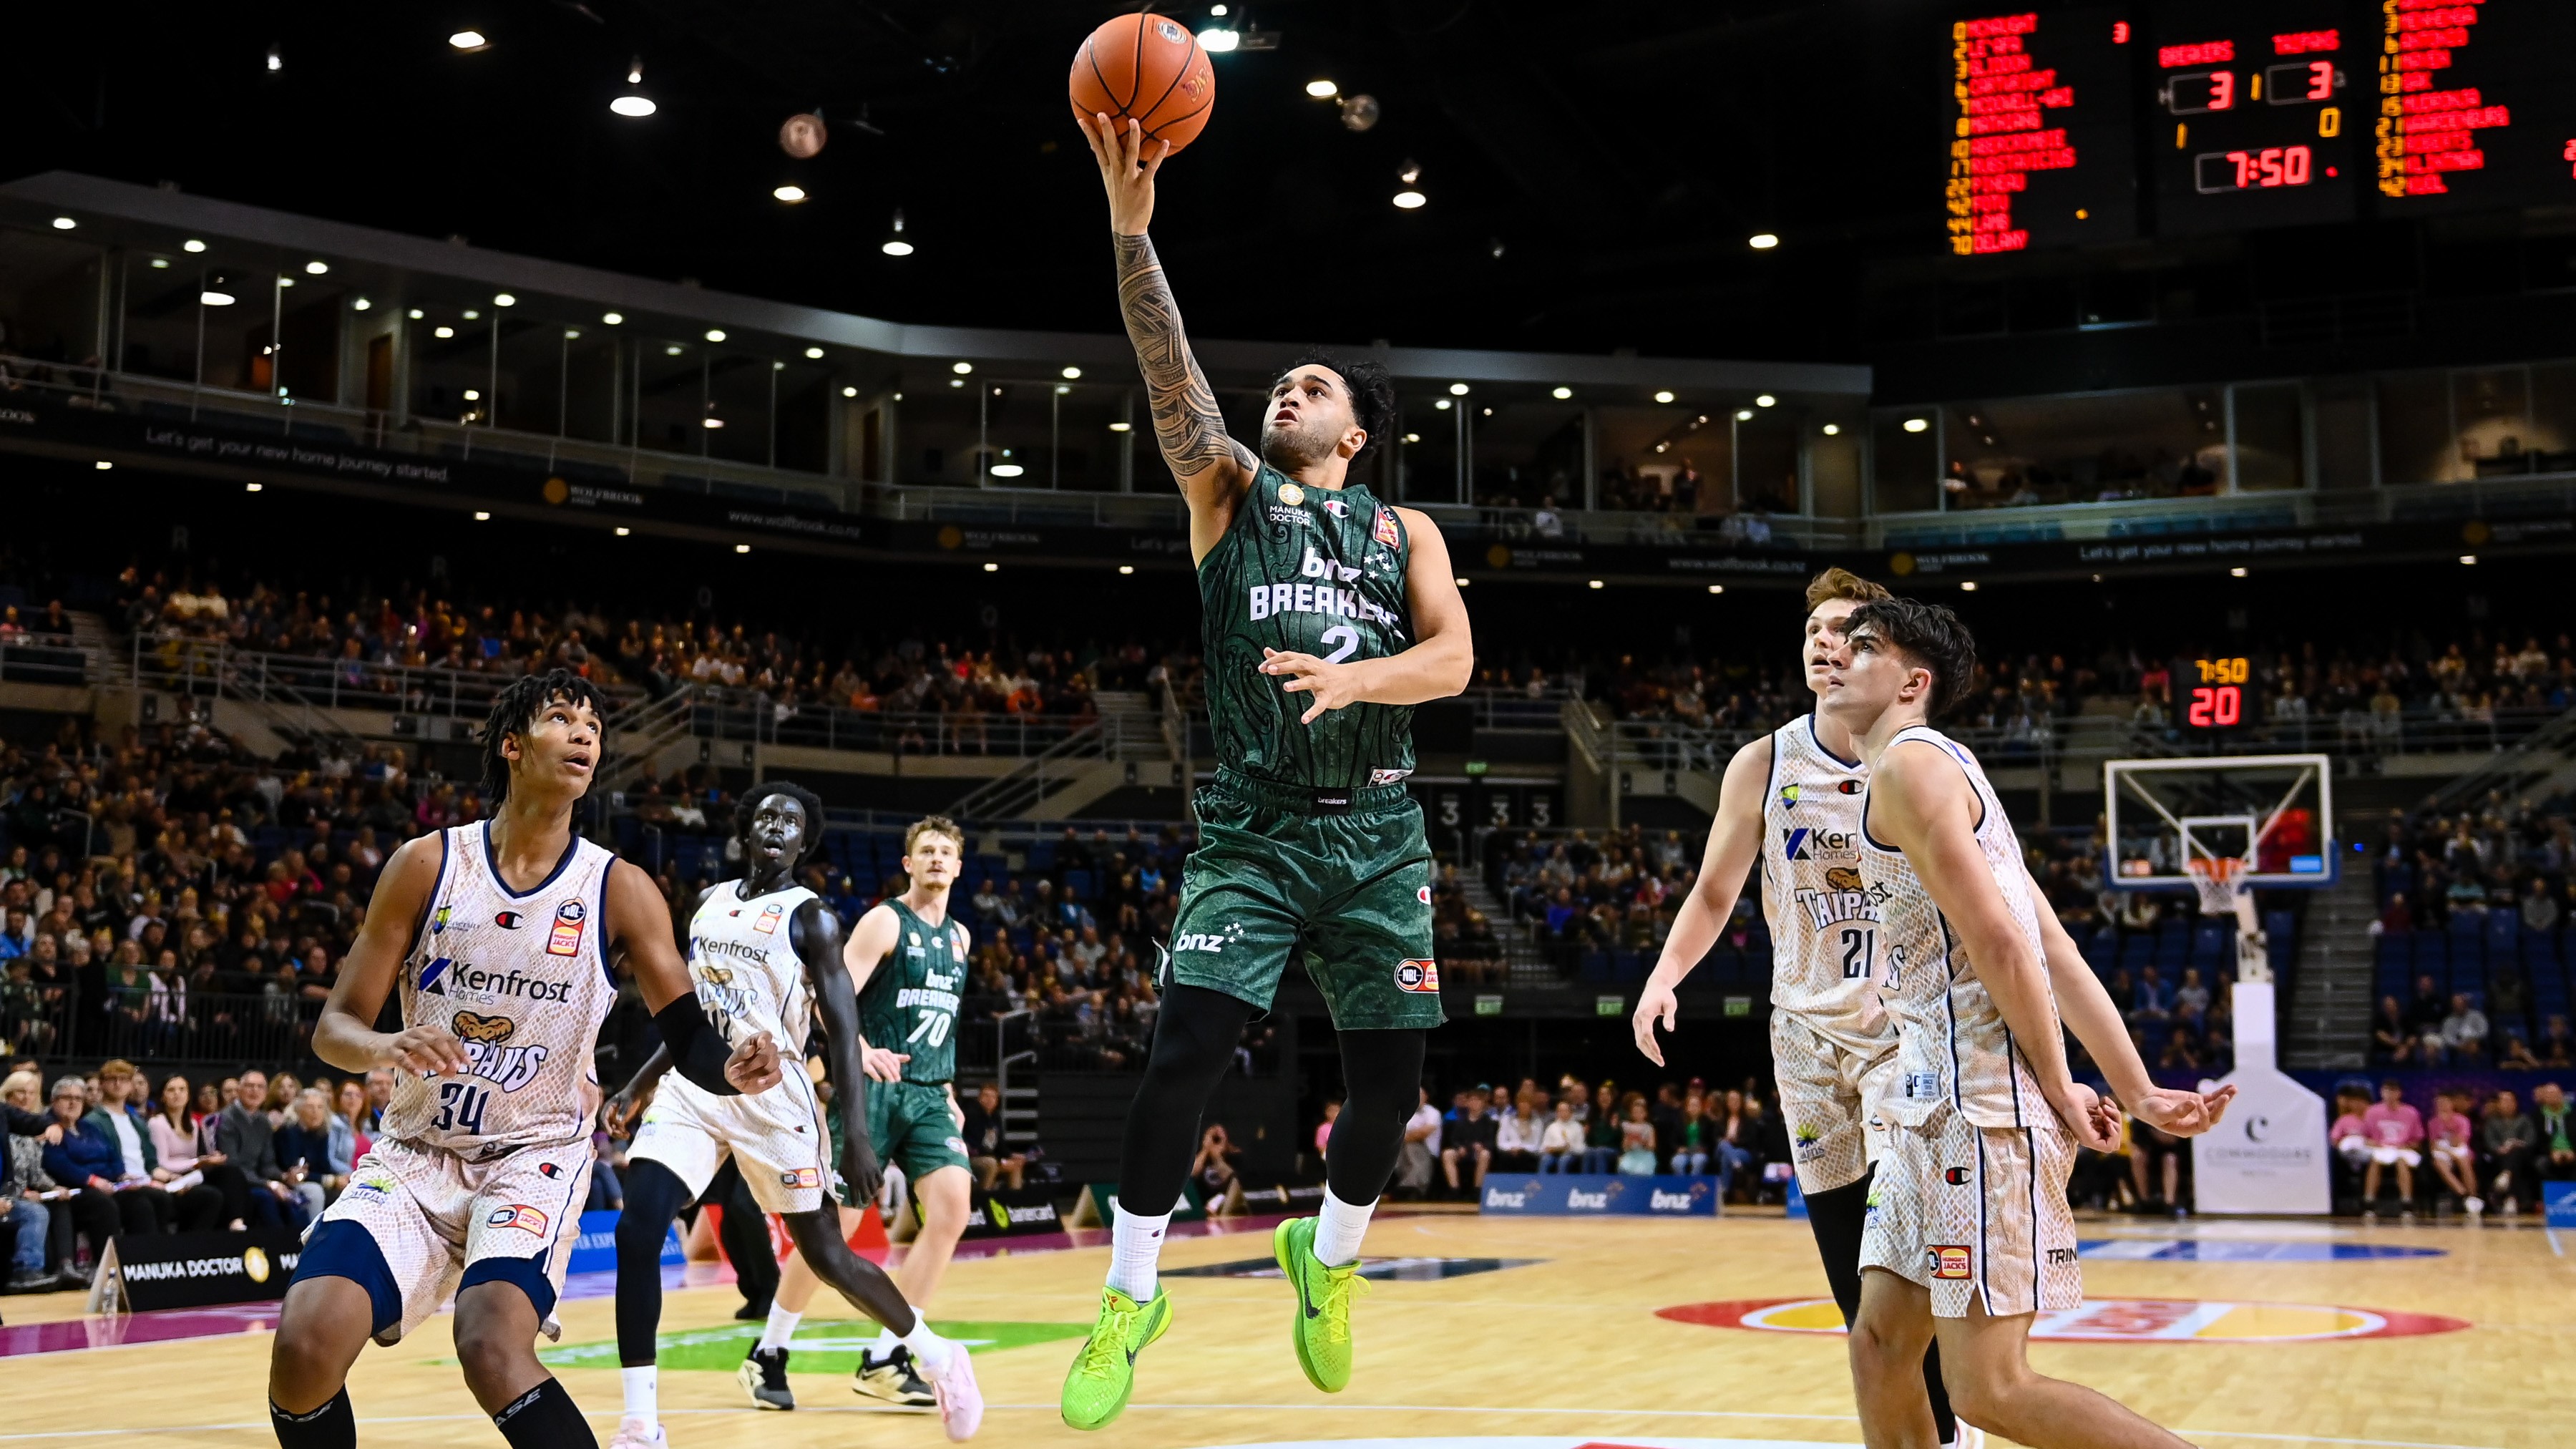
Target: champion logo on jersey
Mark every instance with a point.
(550, 1169)
(1337, 508)
(1955, 1176)
(1850, 787)
(508, 920)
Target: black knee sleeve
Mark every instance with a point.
(1837, 1218)
(1194, 1041)
(545, 1417)
(1382, 1085)
(654, 1196)
(332, 1426)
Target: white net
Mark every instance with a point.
(2218, 879)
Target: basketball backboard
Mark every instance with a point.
(2275, 813)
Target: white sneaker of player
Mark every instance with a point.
(1970, 1437)
(961, 1402)
(2474, 1204)
(631, 1435)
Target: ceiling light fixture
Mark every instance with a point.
(1663, 397)
(813, 354)
(1916, 425)
(1762, 241)
(250, 487)
(471, 395)
(473, 316)
(961, 368)
(1765, 400)
(1410, 200)
(64, 223)
(1967, 586)
(504, 299)
(992, 568)
(791, 193)
(713, 423)
(1071, 373)
(104, 465)
(1413, 437)
(1220, 39)
(1717, 588)
(414, 314)
(572, 334)
(160, 264)
(634, 107)
(1006, 470)
(742, 548)
(849, 392)
(1120, 427)
(1322, 89)
(469, 41)
(1562, 393)
(612, 318)
(1125, 569)
(214, 296)
(192, 245)
(1833, 429)
(895, 244)
(1592, 583)
(623, 530)
(482, 516)
(360, 305)
(315, 269)
(443, 332)
(1457, 389)
(715, 334)
(1442, 404)
(673, 350)
(276, 62)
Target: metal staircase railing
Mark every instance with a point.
(642, 730)
(2542, 753)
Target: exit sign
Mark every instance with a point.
(1739, 1006)
(1489, 1006)
(1609, 1005)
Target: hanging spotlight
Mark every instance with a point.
(895, 243)
(160, 264)
(315, 269)
(502, 299)
(961, 368)
(360, 305)
(1765, 400)
(276, 63)
(1562, 393)
(1359, 112)
(64, 223)
(217, 292)
(791, 193)
(1916, 425)
(634, 104)
(469, 41)
(1663, 397)
(612, 318)
(192, 245)
(813, 354)
(1071, 373)
(1457, 389)
(1762, 241)
(442, 333)
(849, 392)
(1220, 39)
(1321, 89)
(1832, 430)
(1744, 415)
(1410, 200)
(802, 136)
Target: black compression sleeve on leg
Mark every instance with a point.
(1382, 1084)
(545, 1417)
(1194, 1041)
(332, 1426)
(1837, 1217)
(654, 1197)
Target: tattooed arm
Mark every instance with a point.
(1213, 469)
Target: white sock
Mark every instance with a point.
(928, 1349)
(780, 1328)
(887, 1342)
(642, 1394)
(1135, 1246)
(1339, 1228)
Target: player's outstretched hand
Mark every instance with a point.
(2182, 1114)
(753, 1067)
(1333, 685)
(1655, 1005)
(2094, 1121)
(862, 1176)
(619, 1114)
(1127, 166)
(882, 1065)
(427, 1050)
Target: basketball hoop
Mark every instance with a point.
(2215, 877)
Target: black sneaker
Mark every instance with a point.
(892, 1379)
(764, 1376)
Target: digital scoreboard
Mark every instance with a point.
(2473, 104)
(2191, 117)
(2040, 131)
(2254, 112)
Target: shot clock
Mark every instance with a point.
(2213, 694)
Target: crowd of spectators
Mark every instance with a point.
(1736, 1135)
(2501, 1157)
(974, 684)
(2475, 904)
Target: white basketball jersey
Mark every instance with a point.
(1824, 926)
(748, 975)
(1954, 1050)
(522, 979)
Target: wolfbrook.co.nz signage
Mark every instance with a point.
(194, 1270)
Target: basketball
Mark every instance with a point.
(1148, 67)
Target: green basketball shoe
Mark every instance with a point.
(1322, 1326)
(1104, 1373)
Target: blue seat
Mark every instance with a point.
(2503, 929)
(1077, 884)
(1627, 966)
(1596, 966)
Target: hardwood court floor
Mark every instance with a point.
(1564, 1348)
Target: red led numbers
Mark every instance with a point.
(2216, 707)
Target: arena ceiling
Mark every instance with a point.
(1593, 171)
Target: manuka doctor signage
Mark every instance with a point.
(194, 1270)
(1578, 1195)
(2268, 1154)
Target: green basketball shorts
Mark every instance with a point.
(1275, 874)
(910, 1127)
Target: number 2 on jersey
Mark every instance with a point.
(460, 1107)
(1859, 944)
(1350, 639)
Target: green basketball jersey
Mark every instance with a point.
(910, 1002)
(1316, 571)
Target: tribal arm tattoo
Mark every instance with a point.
(1187, 420)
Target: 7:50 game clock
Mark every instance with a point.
(2258, 107)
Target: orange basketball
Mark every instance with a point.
(1149, 67)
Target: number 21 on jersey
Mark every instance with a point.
(1860, 947)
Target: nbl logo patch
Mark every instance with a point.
(565, 938)
(1385, 530)
(801, 1177)
(518, 1215)
(1421, 977)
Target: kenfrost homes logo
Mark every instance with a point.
(1800, 842)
